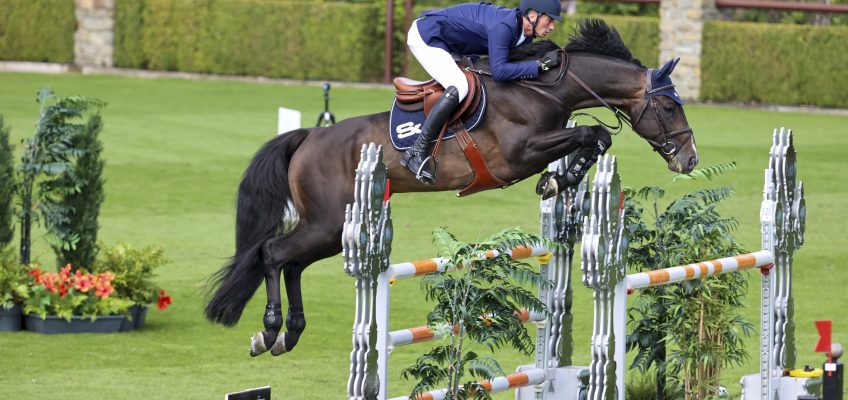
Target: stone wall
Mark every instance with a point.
(681, 32)
(94, 38)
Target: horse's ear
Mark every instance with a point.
(666, 69)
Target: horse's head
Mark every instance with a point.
(660, 120)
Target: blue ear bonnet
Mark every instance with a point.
(660, 82)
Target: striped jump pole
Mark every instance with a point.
(761, 259)
(496, 385)
(430, 265)
(424, 333)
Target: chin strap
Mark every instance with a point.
(532, 34)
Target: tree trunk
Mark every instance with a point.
(26, 222)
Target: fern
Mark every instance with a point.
(707, 173)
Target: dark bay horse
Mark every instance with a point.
(523, 131)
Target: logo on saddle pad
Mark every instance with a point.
(407, 129)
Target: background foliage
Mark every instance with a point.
(784, 64)
(41, 30)
(300, 40)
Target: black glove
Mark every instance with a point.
(550, 60)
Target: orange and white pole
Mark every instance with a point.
(689, 272)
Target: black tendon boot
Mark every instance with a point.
(584, 158)
(417, 158)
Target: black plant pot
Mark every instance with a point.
(138, 313)
(53, 324)
(11, 320)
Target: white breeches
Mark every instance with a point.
(437, 62)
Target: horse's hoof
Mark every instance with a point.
(550, 188)
(279, 346)
(257, 344)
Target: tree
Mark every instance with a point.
(48, 163)
(476, 302)
(697, 319)
(84, 204)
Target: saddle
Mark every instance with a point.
(414, 96)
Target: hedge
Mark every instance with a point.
(302, 40)
(41, 31)
(783, 64)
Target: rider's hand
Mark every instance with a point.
(550, 60)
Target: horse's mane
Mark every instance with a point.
(591, 35)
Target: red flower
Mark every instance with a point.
(82, 282)
(164, 301)
(65, 273)
(36, 274)
(50, 281)
(104, 290)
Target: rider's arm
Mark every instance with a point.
(500, 39)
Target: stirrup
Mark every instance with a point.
(419, 175)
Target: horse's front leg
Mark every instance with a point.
(591, 143)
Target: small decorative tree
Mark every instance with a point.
(84, 204)
(476, 300)
(7, 187)
(48, 162)
(697, 319)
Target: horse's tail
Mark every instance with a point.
(263, 199)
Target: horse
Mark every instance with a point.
(307, 175)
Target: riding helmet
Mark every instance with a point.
(550, 7)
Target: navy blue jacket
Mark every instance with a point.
(479, 29)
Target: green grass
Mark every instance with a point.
(175, 151)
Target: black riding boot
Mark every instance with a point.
(417, 158)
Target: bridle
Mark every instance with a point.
(665, 146)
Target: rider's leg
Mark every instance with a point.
(441, 66)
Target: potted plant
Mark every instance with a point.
(65, 302)
(134, 271)
(14, 288)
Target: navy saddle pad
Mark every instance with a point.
(405, 126)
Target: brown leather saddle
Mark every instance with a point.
(415, 95)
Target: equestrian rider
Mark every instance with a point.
(473, 29)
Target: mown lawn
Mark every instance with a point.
(175, 150)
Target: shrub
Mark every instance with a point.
(251, 37)
(7, 187)
(783, 64)
(14, 279)
(134, 270)
(37, 30)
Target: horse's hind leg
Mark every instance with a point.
(290, 254)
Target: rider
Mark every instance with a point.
(473, 29)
